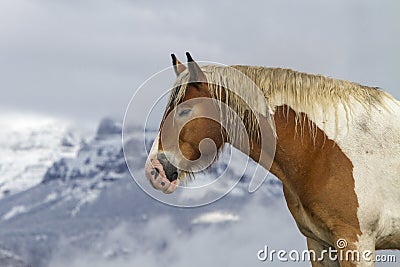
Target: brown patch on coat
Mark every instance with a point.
(317, 178)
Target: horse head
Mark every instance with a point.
(189, 135)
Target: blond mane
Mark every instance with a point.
(304, 93)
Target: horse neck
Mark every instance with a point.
(300, 149)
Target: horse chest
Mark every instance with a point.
(305, 220)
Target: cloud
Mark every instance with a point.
(264, 221)
(162, 242)
(85, 59)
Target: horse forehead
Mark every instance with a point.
(194, 92)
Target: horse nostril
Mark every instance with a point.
(155, 172)
(161, 156)
(174, 176)
(171, 172)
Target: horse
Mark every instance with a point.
(337, 150)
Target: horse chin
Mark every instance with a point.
(156, 175)
(171, 187)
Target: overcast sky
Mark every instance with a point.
(84, 59)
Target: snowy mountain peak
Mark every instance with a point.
(101, 157)
(29, 144)
(86, 190)
(108, 127)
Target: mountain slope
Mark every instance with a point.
(82, 199)
(28, 146)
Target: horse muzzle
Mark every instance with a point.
(161, 173)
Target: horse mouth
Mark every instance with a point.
(156, 174)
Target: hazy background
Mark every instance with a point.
(84, 59)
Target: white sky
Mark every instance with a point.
(84, 59)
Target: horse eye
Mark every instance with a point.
(184, 112)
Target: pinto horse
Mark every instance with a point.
(337, 150)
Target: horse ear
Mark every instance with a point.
(196, 74)
(178, 66)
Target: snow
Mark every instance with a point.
(51, 197)
(29, 144)
(14, 212)
(84, 190)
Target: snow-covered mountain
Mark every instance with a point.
(29, 145)
(86, 200)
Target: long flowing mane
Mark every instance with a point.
(304, 93)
